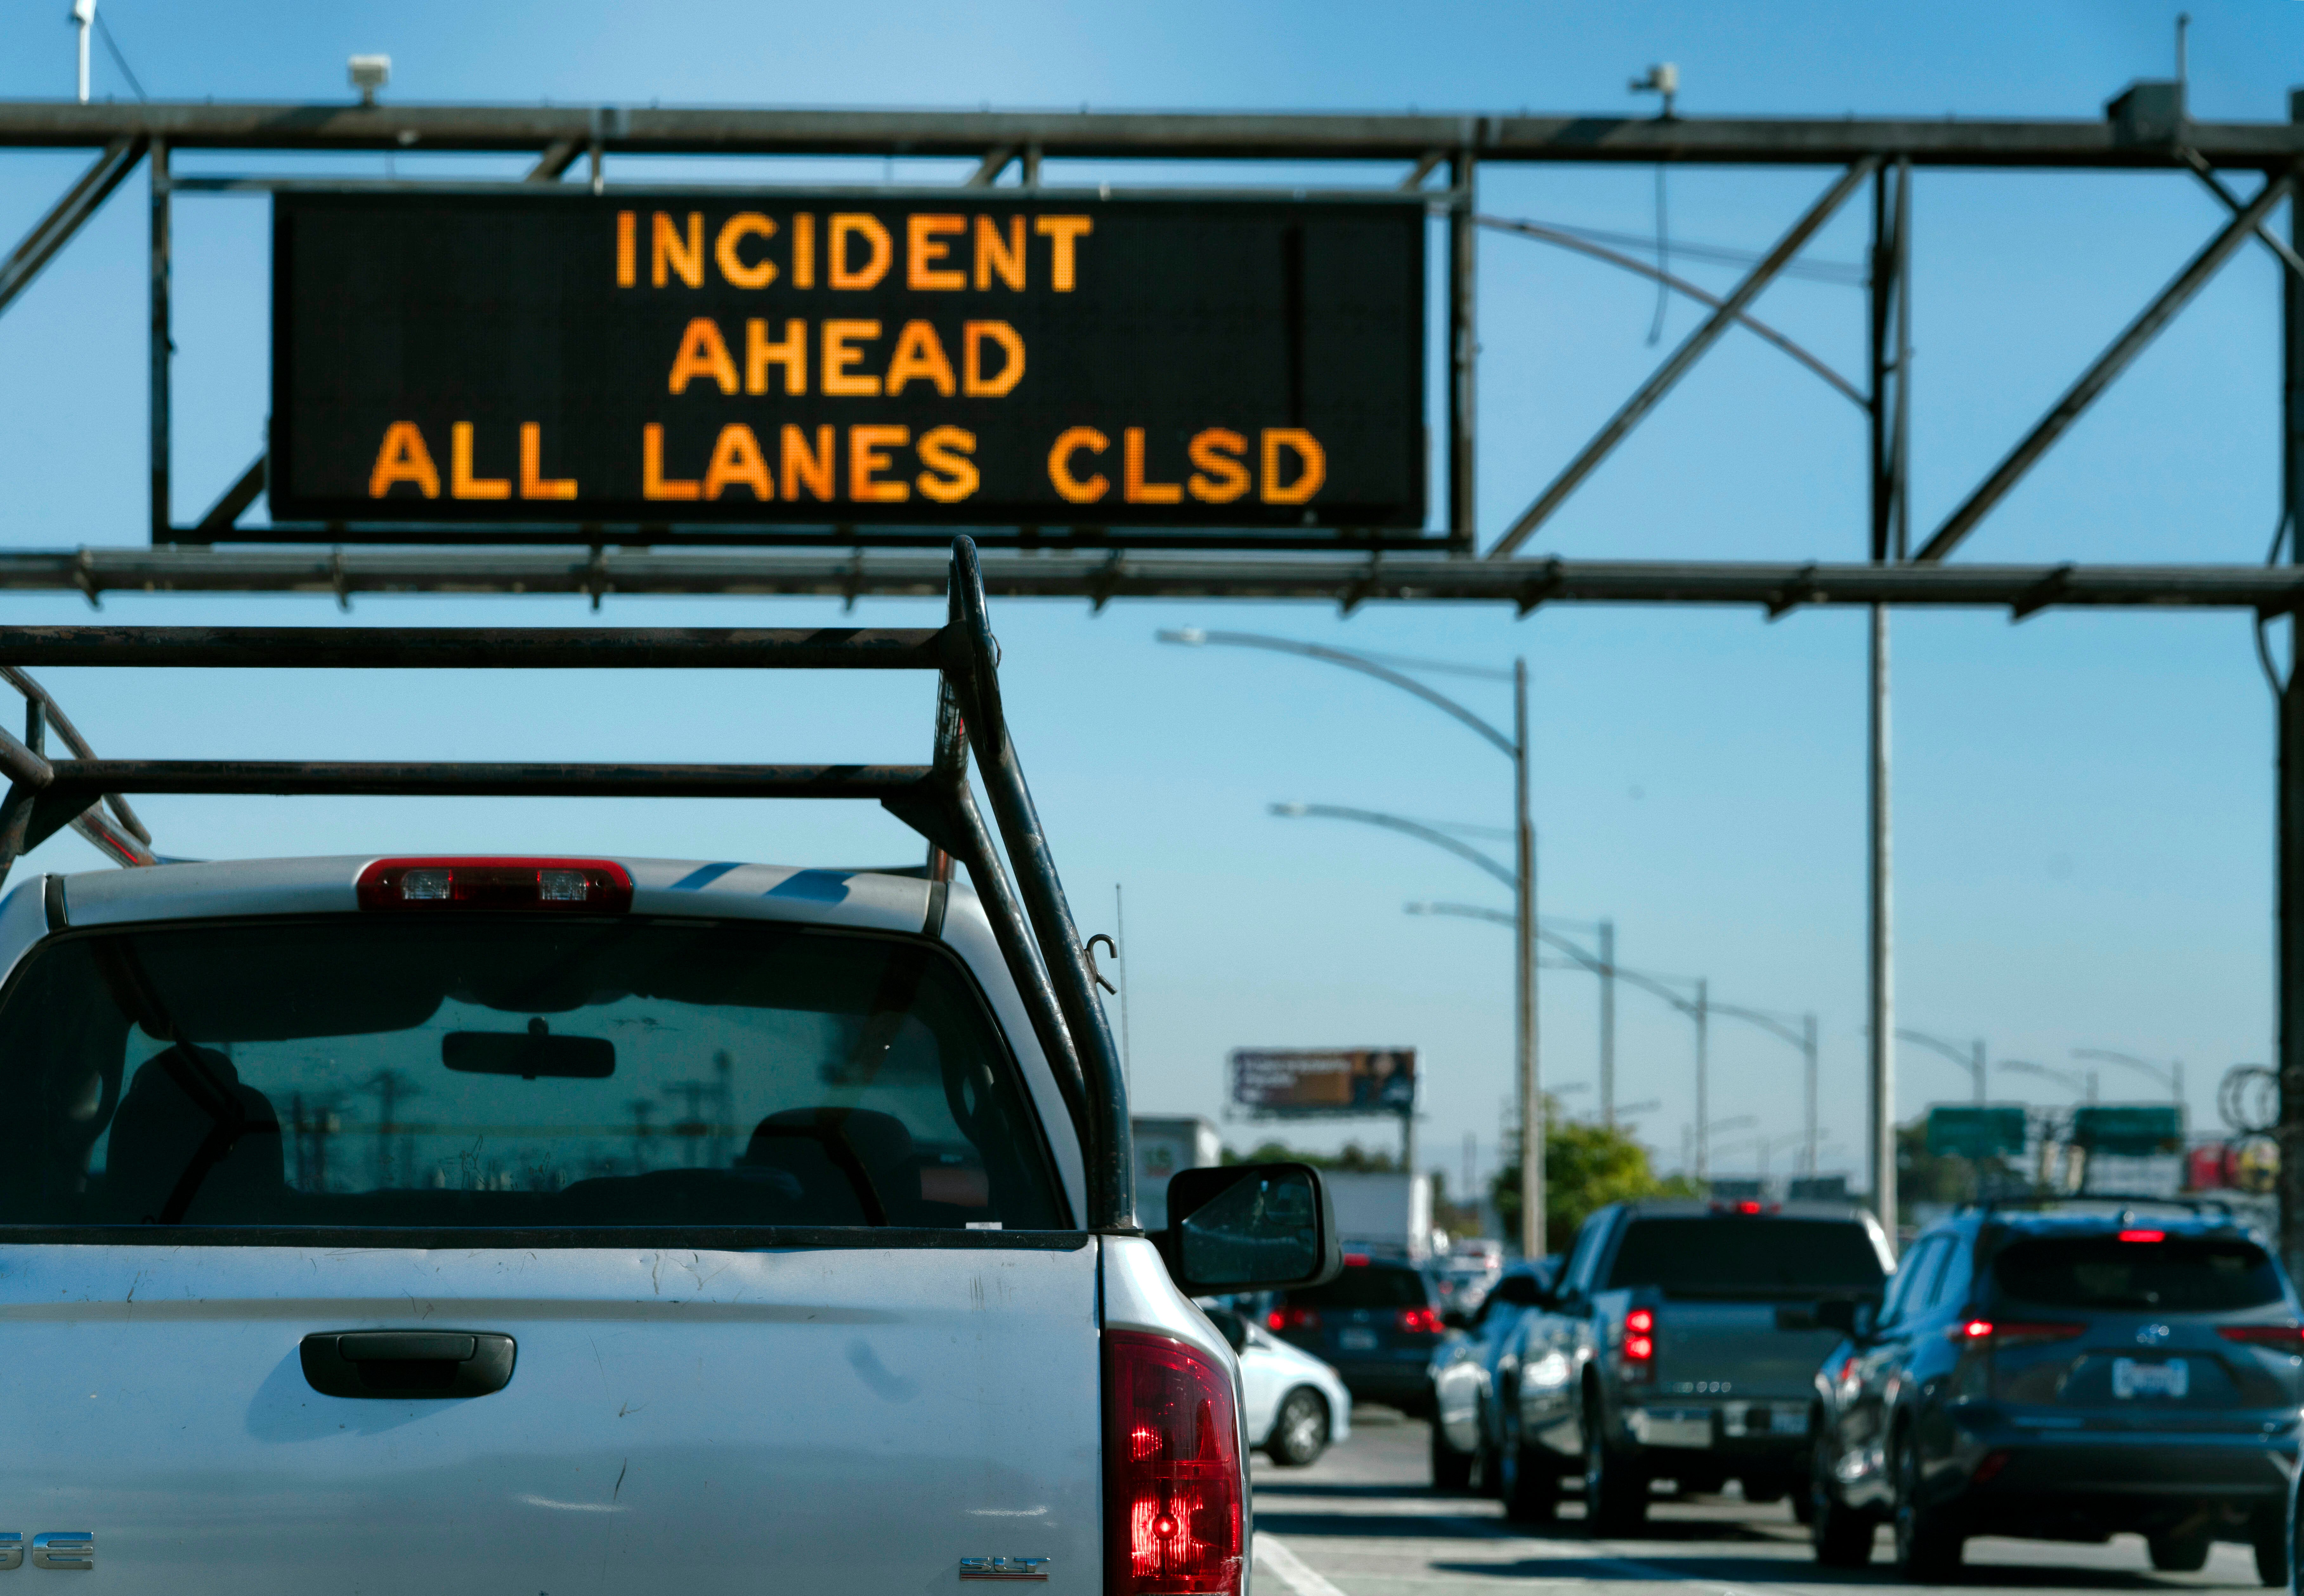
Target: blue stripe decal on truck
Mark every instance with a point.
(704, 876)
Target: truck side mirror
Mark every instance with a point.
(1249, 1228)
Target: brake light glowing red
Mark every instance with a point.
(1173, 1518)
(1640, 1336)
(1356, 1261)
(2143, 1235)
(1985, 1332)
(549, 886)
(1420, 1321)
(1293, 1319)
(2288, 1338)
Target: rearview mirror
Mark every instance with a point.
(528, 1053)
(1249, 1228)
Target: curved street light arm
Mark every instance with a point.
(1772, 1023)
(1584, 957)
(1969, 1061)
(1350, 661)
(2073, 1083)
(1407, 827)
(1569, 241)
(2167, 1078)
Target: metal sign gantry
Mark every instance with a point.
(2146, 129)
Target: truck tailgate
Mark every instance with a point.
(1738, 1349)
(702, 1421)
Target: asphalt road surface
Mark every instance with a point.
(1364, 1522)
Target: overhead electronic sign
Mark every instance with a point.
(1313, 1081)
(972, 357)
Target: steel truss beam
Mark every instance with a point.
(1682, 361)
(2132, 342)
(1778, 586)
(55, 230)
(1756, 140)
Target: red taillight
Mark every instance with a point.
(1293, 1319)
(1639, 1342)
(1985, 1332)
(1640, 1321)
(2288, 1338)
(552, 886)
(1356, 1261)
(2143, 1235)
(1171, 1470)
(1420, 1321)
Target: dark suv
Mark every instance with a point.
(2065, 1373)
(1377, 1323)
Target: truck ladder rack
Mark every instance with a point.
(1030, 917)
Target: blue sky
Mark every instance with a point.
(2083, 802)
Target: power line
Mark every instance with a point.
(104, 29)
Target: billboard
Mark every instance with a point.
(1311, 1081)
(970, 358)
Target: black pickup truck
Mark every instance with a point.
(1682, 1345)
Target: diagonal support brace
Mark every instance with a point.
(2100, 376)
(52, 232)
(1693, 349)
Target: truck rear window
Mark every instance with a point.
(498, 1071)
(2196, 1274)
(1367, 1285)
(1735, 1255)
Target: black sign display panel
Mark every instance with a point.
(961, 359)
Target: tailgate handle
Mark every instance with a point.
(404, 1363)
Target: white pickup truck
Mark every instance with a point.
(507, 1225)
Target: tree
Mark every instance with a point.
(1586, 1166)
(1355, 1160)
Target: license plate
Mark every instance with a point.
(2131, 1379)
(1787, 1420)
(1356, 1340)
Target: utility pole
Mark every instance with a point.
(1608, 1023)
(1891, 414)
(2289, 842)
(1531, 1083)
(1808, 1060)
(1703, 1016)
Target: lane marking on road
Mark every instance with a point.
(1297, 1575)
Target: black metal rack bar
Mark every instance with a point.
(1031, 921)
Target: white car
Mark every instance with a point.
(1293, 1405)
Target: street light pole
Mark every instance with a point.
(1527, 1065)
(2172, 1076)
(1971, 1058)
(1531, 1096)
